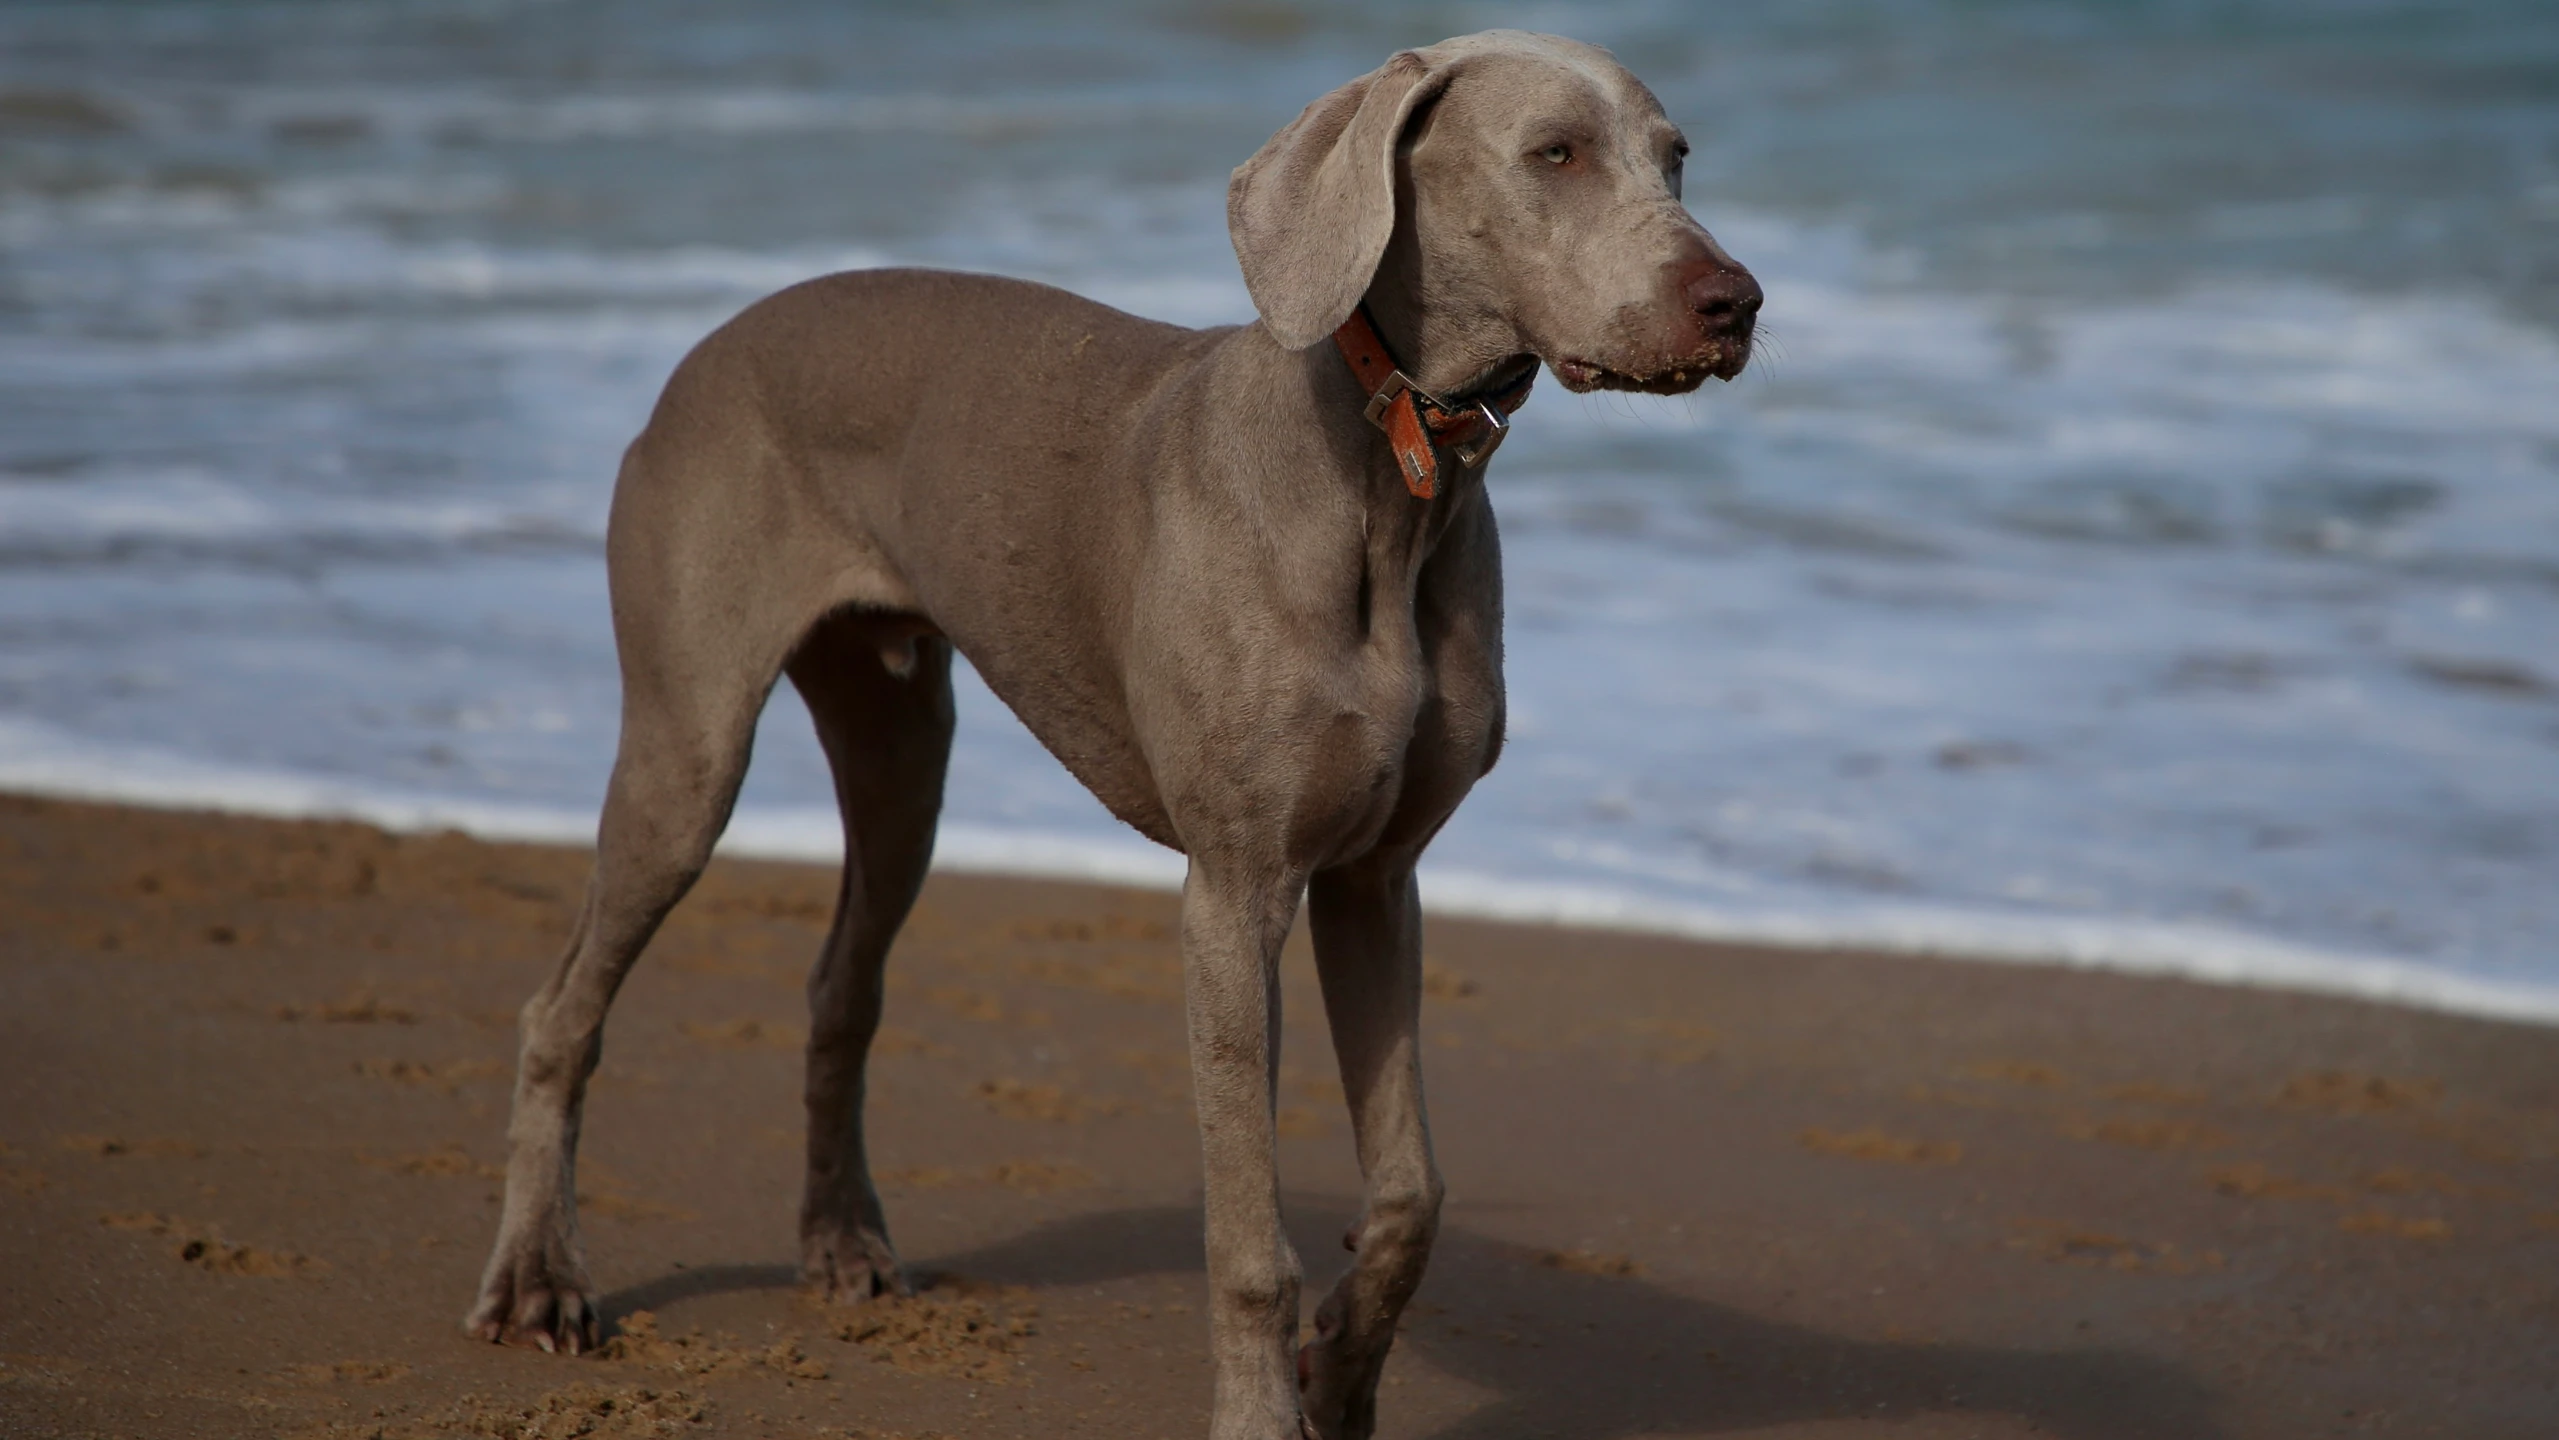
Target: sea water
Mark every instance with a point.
(2136, 542)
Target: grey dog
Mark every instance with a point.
(1243, 583)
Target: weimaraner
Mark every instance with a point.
(1243, 582)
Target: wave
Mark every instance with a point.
(41, 760)
(2178, 381)
(117, 517)
(463, 113)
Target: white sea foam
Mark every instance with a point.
(464, 111)
(2216, 353)
(188, 505)
(39, 760)
(449, 113)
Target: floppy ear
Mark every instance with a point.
(1311, 212)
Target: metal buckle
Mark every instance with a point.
(1397, 382)
(1474, 456)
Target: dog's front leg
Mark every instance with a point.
(1234, 919)
(1367, 924)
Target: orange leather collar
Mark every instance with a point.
(1418, 423)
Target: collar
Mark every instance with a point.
(1416, 422)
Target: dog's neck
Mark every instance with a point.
(1450, 359)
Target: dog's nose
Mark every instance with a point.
(1723, 295)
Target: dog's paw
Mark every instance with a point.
(1337, 1392)
(849, 1266)
(540, 1301)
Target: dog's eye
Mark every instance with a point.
(1556, 154)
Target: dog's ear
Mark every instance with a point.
(1311, 212)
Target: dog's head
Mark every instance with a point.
(1527, 186)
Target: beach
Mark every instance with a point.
(256, 1072)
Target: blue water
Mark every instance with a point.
(2140, 534)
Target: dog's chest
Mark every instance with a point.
(1425, 726)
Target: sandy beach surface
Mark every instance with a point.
(253, 1081)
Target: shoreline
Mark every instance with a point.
(2176, 950)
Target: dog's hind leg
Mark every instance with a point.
(1367, 926)
(887, 736)
(673, 784)
(694, 677)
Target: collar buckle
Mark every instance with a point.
(1396, 383)
(1497, 428)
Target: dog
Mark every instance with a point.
(1243, 582)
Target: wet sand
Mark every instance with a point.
(253, 1079)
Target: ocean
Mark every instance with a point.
(2136, 544)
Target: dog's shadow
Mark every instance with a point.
(1590, 1357)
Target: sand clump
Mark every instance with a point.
(1039, 1177)
(2403, 1180)
(638, 1341)
(1019, 1100)
(448, 1077)
(360, 1008)
(1606, 1264)
(748, 1034)
(630, 1412)
(2345, 1093)
(361, 1372)
(2253, 1181)
(1028, 1177)
(964, 1332)
(2073, 1245)
(450, 1159)
(614, 1205)
(109, 1147)
(2405, 1227)
(958, 1331)
(583, 1410)
(203, 1247)
(1442, 981)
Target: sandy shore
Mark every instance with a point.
(255, 1077)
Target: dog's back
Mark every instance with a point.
(979, 455)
